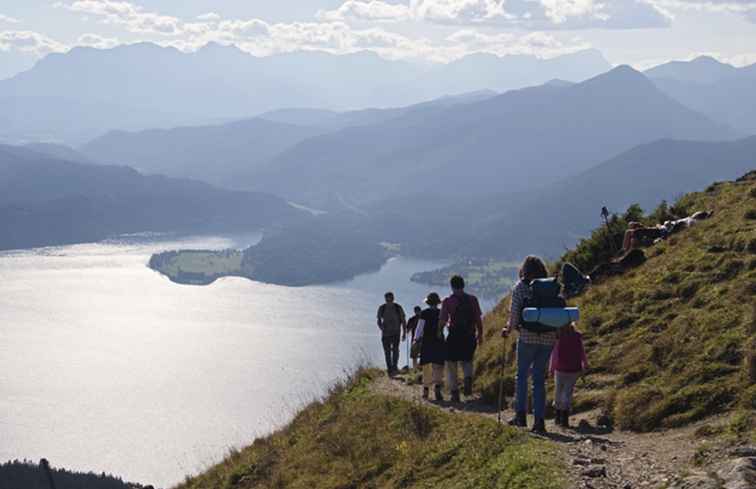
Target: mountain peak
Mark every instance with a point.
(619, 74)
(706, 59)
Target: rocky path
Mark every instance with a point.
(601, 458)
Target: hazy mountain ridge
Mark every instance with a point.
(722, 92)
(644, 175)
(703, 69)
(78, 95)
(536, 135)
(45, 201)
(230, 154)
(225, 154)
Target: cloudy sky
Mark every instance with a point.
(637, 32)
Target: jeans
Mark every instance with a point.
(564, 386)
(452, 371)
(535, 356)
(391, 350)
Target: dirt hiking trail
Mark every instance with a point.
(601, 458)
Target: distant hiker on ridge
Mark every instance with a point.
(411, 331)
(430, 339)
(391, 322)
(461, 312)
(533, 348)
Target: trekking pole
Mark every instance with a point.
(48, 473)
(502, 368)
(408, 352)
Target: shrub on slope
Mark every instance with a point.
(358, 439)
(672, 341)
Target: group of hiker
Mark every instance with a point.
(444, 337)
(459, 314)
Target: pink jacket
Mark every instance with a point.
(569, 354)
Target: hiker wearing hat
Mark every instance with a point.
(431, 346)
(533, 348)
(391, 322)
(461, 313)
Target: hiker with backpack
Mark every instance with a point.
(535, 341)
(461, 313)
(391, 322)
(432, 347)
(411, 331)
(568, 361)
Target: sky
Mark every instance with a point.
(641, 33)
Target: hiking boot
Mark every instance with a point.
(539, 426)
(558, 417)
(455, 396)
(426, 392)
(468, 387)
(565, 419)
(439, 396)
(519, 420)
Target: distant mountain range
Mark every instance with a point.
(224, 154)
(723, 92)
(231, 154)
(81, 94)
(513, 142)
(48, 201)
(548, 220)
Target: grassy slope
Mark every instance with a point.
(672, 341)
(359, 439)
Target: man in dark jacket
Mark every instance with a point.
(391, 322)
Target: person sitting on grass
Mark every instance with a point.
(432, 347)
(568, 361)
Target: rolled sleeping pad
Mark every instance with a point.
(553, 317)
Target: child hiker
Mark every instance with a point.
(568, 361)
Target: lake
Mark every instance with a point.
(106, 365)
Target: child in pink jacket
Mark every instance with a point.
(568, 361)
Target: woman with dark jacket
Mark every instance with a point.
(432, 347)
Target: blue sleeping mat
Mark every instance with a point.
(553, 317)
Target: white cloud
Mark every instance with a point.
(30, 42)
(96, 41)
(333, 32)
(131, 16)
(747, 8)
(367, 11)
(210, 17)
(535, 43)
(9, 20)
(529, 14)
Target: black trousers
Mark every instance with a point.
(391, 350)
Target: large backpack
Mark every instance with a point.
(464, 316)
(397, 308)
(544, 292)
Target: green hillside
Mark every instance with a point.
(669, 343)
(357, 438)
(672, 341)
